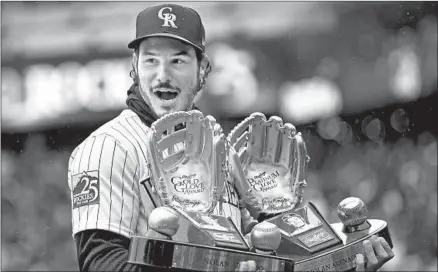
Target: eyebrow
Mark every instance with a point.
(181, 53)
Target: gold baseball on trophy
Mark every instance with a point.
(164, 220)
(352, 212)
(265, 236)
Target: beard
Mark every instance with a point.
(149, 93)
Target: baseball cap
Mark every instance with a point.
(170, 20)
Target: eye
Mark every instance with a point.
(150, 60)
(178, 61)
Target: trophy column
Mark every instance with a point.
(355, 225)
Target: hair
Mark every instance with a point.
(200, 56)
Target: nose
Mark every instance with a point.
(163, 73)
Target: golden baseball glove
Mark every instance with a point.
(188, 153)
(269, 163)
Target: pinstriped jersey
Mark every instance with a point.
(108, 176)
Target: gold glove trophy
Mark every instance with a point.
(189, 171)
(269, 162)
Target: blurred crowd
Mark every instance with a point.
(397, 181)
(36, 222)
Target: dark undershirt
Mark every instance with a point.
(100, 250)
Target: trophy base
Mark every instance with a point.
(167, 255)
(309, 243)
(342, 258)
(316, 245)
(209, 230)
(304, 232)
(175, 256)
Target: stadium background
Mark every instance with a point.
(358, 79)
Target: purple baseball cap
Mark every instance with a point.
(170, 20)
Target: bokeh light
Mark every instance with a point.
(400, 120)
(410, 173)
(374, 129)
(406, 81)
(366, 189)
(331, 128)
(345, 135)
(392, 203)
(309, 100)
(430, 154)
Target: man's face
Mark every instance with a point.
(168, 72)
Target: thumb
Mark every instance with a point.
(360, 263)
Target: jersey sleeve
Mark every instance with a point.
(103, 180)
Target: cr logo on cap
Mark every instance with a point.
(169, 18)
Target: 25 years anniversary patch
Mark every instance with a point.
(86, 190)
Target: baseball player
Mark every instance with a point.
(108, 173)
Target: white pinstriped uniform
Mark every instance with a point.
(107, 176)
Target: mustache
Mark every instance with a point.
(164, 85)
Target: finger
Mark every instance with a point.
(257, 134)
(207, 144)
(300, 159)
(369, 253)
(286, 156)
(239, 137)
(237, 268)
(251, 266)
(217, 164)
(378, 248)
(194, 137)
(273, 139)
(360, 263)
(387, 247)
(239, 130)
(243, 266)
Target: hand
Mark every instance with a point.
(377, 252)
(249, 266)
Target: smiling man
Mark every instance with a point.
(168, 72)
(108, 173)
(169, 63)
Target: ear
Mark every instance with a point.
(204, 66)
(134, 72)
(135, 62)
